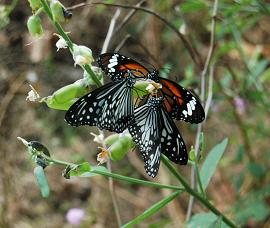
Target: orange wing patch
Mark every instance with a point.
(172, 89)
(138, 69)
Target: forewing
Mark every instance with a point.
(108, 107)
(118, 66)
(118, 109)
(172, 144)
(180, 103)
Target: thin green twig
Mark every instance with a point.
(52, 161)
(199, 179)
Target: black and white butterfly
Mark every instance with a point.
(154, 132)
(108, 107)
(180, 103)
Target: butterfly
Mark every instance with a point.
(108, 107)
(180, 103)
(154, 132)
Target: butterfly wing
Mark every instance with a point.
(108, 107)
(172, 144)
(145, 131)
(118, 66)
(180, 103)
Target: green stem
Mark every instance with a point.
(113, 175)
(198, 196)
(39, 11)
(92, 75)
(136, 181)
(199, 179)
(61, 31)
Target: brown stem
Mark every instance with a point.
(203, 79)
(195, 58)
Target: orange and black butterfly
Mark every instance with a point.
(180, 103)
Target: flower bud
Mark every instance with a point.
(191, 155)
(57, 11)
(34, 4)
(67, 14)
(121, 147)
(34, 26)
(82, 55)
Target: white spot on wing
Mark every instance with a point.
(189, 109)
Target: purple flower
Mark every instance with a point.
(240, 104)
(75, 215)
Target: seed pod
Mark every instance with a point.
(63, 98)
(121, 147)
(34, 26)
(57, 11)
(111, 139)
(42, 181)
(82, 55)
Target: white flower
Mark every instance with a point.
(150, 88)
(98, 138)
(153, 86)
(33, 95)
(103, 156)
(61, 43)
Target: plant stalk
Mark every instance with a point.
(197, 195)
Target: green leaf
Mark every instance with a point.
(238, 180)
(80, 169)
(239, 155)
(42, 181)
(257, 170)
(152, 210)
(210, 164)
(205, 220)
(95, 168)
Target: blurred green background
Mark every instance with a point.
(239, 110)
